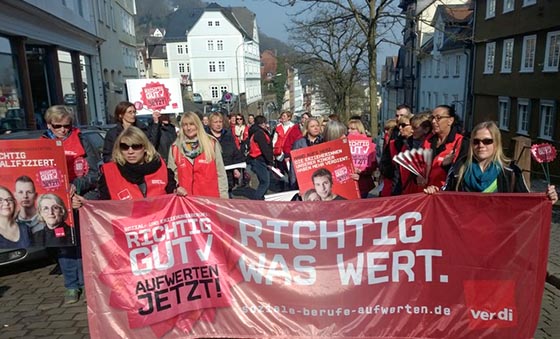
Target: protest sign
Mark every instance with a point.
(362, 150)
(150, 95)
(324, 171)
(34, 173)
(413, 266)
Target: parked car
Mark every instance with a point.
(95, 135)
(70, 99)
(197, 98)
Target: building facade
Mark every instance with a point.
(217, 50)
(516, 72)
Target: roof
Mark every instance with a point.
(183, 20)
(458, 25)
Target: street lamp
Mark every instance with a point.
(237, 71)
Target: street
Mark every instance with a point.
(31, 302)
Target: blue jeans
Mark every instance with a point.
(70, 261)
(263, 174)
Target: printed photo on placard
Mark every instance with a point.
(324, 172)
(35, 208)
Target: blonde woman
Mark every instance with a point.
(196, 160)
(136, 170)
(485, 168)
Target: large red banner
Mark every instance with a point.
(449, 265)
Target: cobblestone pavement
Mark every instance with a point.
(31, 303)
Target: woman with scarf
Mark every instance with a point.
(82, 161)
(136, 170)
(196, 159)
(486, 169)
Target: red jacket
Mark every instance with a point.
(438, 174)
(122, 189)
(75, 156)
(199, 178)
(285, 140)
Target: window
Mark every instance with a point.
(438, 64)
(188, 68)
(216, 23)
(528, 53)
(220, 45)
(489, 58)
(523, 111)
(165, 63)
(179, 49)
(221, 66)
(210, 23)
(223, 89)
(552, 52)
(212, 66)
(210, 45)
(214, 91)
(529, 2)
(164, 49)
(490, 9)
(507, 56)
(508, 5)
(457, 65)
(504, 112)
(445, 99)
(181, 68)
(548, 112)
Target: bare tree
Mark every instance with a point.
(367, 15)
(333, 53)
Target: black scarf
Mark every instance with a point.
(134, 173)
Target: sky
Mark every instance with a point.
(272, 20)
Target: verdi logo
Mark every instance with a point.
(490, 303)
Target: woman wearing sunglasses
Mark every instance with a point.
(196, 159)
(136, 170)
(485, 168)
(82, 160)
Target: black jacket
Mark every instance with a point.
(260, 138)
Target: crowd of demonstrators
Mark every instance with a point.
(125, 116)
(260, 156)
(196, 160)
(230, 153)
(485, 168)
(136, 170)
(82, 163)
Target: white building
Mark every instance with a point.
(215, 49)
(444, 61)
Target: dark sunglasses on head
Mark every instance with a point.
(403, 125)
(483, 141)
(57, 126)
(126, 147)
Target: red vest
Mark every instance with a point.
(438, 175)
(75, 156)
(122, 189)
(199, 178)
(280, 145)
(254, 149)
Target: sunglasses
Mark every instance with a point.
(239, 119)
(403, 125)
(126, 147)
(483, 141)
(439, 117)
(57, 126)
